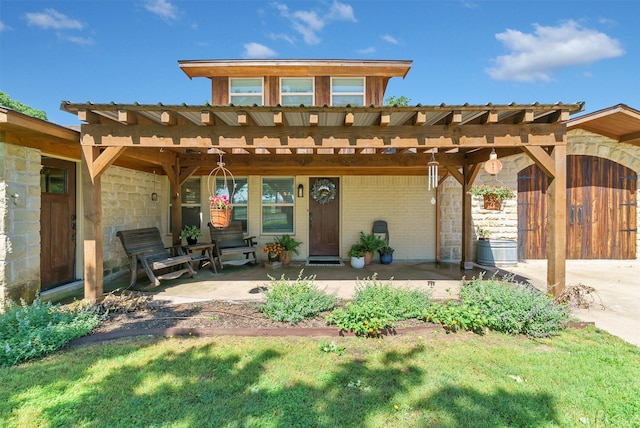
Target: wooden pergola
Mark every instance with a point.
(184, 140)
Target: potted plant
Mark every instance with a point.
(495, 252)
(220, 208)
(386, 255)
(356, 253)
(289, 245)
(191, 233)
(370, 243)
(273, 250)
(492, 195)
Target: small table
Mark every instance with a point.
(206, 253)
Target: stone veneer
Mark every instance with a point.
(504, 223)
(19, 223)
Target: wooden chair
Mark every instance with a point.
(145, 250)
(231, 241)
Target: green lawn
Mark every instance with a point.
(581, 378)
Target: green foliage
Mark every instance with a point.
(6, 101)
(376, 305)
(515, 308)
(366, 319)
(192, 232)
(331, 347)
(30, 331)
(370, 242)
(500, 305)
(288, 243)
(356, 250)
(293, 301)
(500, 192)
(400, 101)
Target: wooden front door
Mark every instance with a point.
(601, 210)
(324, 216)
(57, 222)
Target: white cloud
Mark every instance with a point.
(311, 22)
(83, 41)
(390, 39)
(163, 9)
(256, 50)
(535, 56)
(3, 27)
(51, 18)
(367, 51)
(284, 37)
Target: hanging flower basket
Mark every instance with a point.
(492, 202)
(221, 218)
(220, 207)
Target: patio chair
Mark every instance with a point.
(380, 230)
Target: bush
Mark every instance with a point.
(376, 306)
(400, 303)
(30, 331)
(294, 301)
(515, 308)
(454, 316)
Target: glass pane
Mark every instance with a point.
(246, 86)
(191, 216)
(296, 100)
(53, 180)
(246, 100)
(297, 85)
(277, 190)
(191, 191)
(343, 100)
(277, 219)
(348, 85)
(240, 214)
(241, 194)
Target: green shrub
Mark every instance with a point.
(367, 319)
(454, 316)
(376, 306)
(293, 301)
(30, 331)
(515, 308)
(400, 303)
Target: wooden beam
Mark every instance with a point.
(349, 118)
(207, 118)
(420, 118)
(278, 118)
(88, 116)
(557, 223)
(313, 119)
(542, 159)
(186, 173)
(93, 235)
(168, 118)
(385, 119)
(106, 158)
(470, 172)
(455, 174)
(127, 117)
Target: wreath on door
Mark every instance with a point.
(323, 191)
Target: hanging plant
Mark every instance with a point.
(500, 192)
(323, 191)
(220, 204)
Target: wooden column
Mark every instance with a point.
(92, 206)
(469, 172)
(557, 223)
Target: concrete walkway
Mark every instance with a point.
(617, 284)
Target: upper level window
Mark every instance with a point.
(347, 90)
(246, 92)
(296, 91)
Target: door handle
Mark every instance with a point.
(572, 210)
(580, 214)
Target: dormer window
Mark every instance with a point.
(347, 90)
(246, 92)
(295, 91)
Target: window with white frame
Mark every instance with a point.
(239, 200)
(191, 203)
(277, 205)
(295, 91)
(347, 90)
(246, 92)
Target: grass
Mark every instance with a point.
(579, 378)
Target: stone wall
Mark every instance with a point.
(19, 223)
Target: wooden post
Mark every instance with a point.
(92, 203)
(557, 223)
(470, 172)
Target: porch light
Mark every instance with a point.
(493, 165)
(433, 171)
(300, 190)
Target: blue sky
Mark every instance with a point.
(463, 51)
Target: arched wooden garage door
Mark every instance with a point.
(601, 210)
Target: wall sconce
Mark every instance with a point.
(154, 196)
(300, 190)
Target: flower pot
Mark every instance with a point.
(285, 258)
(367, 258)
(220, 218)
(497, 252)
(273, 257)
(386, 258)
(491, 202)
(192, 241)
(357, 262)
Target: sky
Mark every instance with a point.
(463, 51)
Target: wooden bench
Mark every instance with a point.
(231, 241)
(145, 249)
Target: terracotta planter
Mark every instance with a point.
(491, 202)
(285, 258)
(367, 258)
(220, 218)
